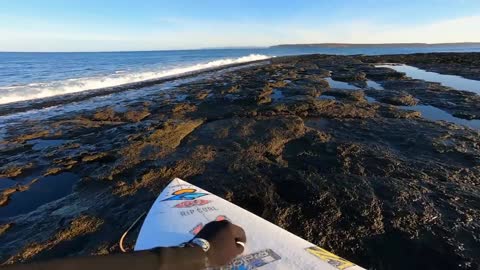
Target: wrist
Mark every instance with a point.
(200, 255)
(202, 243)
(187, 257)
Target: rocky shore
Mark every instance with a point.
(353, 171)
(463, 64)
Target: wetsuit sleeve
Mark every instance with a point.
(156, 259)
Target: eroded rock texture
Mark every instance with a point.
(369, 181)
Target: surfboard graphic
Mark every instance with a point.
(182, 209)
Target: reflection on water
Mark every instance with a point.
(370, 99)
(374, 85)
(39, 144)
(340, 85)
(343, 85)
(453, 81)
(277, 94)
(6, 183)
(327, 97)
(181, 97)
(320, 124)
(435, 114)
(428, 112)
(43, 191)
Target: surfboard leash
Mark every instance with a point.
(128, 230)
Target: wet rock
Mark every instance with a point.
(15, 170)
(155, 179)
(78, 227)
(136, 116)
(157, 144)
(53, 171)
(316, 74)
(265, 95)
(298, 90)
(202, 95)
(403, 99)
(317, 84)
(466, 115)
(183, 108)
(35, 135)
(391, 112)
(231, 90)
(5, 227)
(349, 76)
(383, 74)
(355, 95)
(108, 114)
(463, 64)
(5, 194)
(96, 157)
(359, 178)
(461, 103)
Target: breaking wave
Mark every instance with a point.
(31, 91)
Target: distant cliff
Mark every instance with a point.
(382, 45)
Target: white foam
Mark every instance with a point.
(10, 94)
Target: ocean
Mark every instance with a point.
(28, 76)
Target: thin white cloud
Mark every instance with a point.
(453, 30)
(179, 33)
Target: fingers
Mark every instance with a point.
(212, 228)
(240, 238)
(213, 232)
(239, 233)
(240, 247)
(240, 243)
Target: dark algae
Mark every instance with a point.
(374, 182)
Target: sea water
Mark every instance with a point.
(26, 76)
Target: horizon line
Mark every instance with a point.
(257, 47)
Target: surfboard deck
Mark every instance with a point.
(182, 209)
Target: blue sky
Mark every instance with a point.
(104, 25)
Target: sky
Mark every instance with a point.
(122, 25)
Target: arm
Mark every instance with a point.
(222, 236)
(156, 259)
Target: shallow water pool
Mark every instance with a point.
(453, 81)
(43, 191)
(340, 85)
(39, 144)
(435, 114)
(374, 85)
(277, 95)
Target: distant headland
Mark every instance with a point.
(382, 45)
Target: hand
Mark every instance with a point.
(223, 237)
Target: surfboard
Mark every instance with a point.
(182, 209)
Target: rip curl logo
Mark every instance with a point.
(188, 204)
(186, 194)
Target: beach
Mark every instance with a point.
(343, 150)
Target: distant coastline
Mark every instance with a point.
(377, 45)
